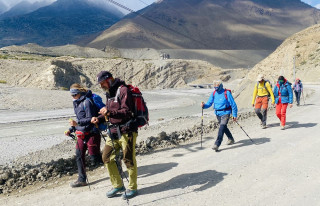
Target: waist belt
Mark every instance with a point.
(226, 109)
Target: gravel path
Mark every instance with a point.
(281, 168)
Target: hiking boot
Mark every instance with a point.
(114, 191)
(129, 194)
(215, 147)
(78, 184)
(264, 126)
(282, 127)
(230, 142)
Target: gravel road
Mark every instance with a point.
(281, 168)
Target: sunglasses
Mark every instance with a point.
(74, 95)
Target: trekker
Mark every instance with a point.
(298, 89)
(283, 97)
(118, 111)
(224, 105)
(88, 137)
(262, 91)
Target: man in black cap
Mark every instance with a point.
(118, 111)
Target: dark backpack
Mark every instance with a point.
(264, 85)
(140, 113)
(97, 102)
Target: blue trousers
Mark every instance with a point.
(298, 95)
(223, 129)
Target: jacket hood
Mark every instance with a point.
(83, 96)
(220, 88)
(114, 87)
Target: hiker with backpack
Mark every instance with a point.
(298, 89)
(260, 100)
(283, 98)
(123, 132)
(224, 105)
(88, 137)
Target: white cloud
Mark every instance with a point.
(317, 6)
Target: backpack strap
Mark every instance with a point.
(225, 93)
(116, 98)
(84, 102)
(214, 92)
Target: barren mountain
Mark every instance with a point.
(301, 52)
(210, 24)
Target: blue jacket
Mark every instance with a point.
(285, 93)
(222, 106)
(84, 111)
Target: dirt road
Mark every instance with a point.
(25, 131)
(281, 168)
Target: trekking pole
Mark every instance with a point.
(201, 127)
(117, 158)
(100, 132)
(84, 169)
(303, 97)
(245, 132)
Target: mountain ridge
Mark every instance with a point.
(62, 22)
(216, 24)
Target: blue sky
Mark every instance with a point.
(139, 4)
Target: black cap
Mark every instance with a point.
(281, 78)
(103, 75)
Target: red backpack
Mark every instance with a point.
(225, 93)
(141, 113)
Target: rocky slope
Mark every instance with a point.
(301, 50)
(61, 72)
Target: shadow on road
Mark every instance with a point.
(148, 170)
(189, 147)
(298, 125)
(294, 124)
(247, 142)
(205, 180)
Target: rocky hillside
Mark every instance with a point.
(62, 22)
(304, 46)
(210, 24)
(61, 72)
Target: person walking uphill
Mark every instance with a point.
(283, 97)
(298, 89)
(260, 99)
(88, 137)
(224, 105)
(119, 111)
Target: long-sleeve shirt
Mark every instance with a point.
(221, 105)
(263, 89)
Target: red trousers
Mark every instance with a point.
(281, 110)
